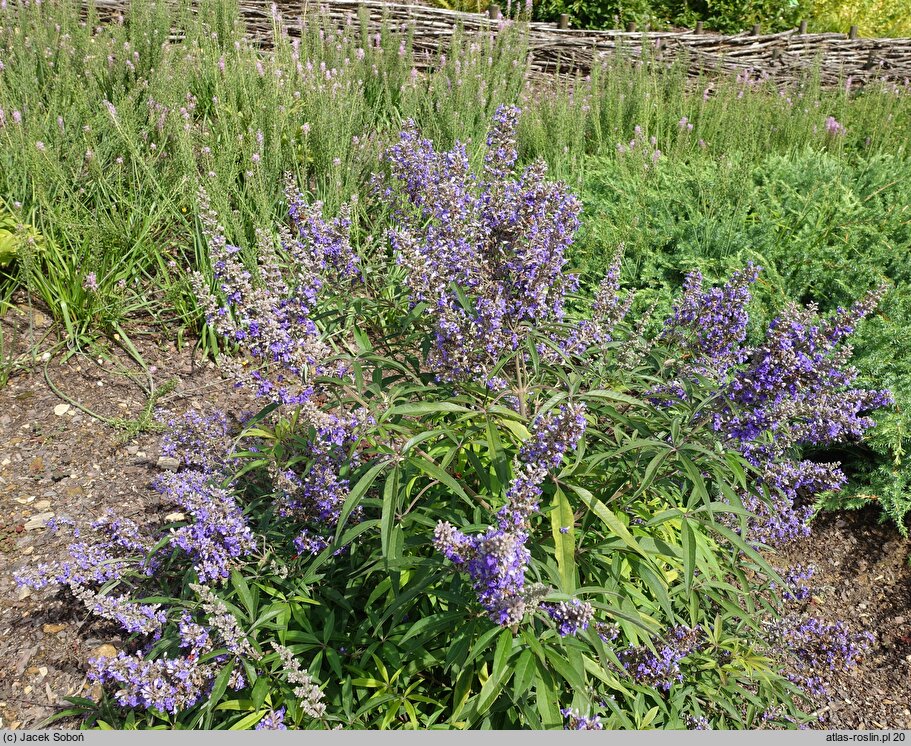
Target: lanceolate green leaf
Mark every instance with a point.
(434, 471)
(243, 593)
(390, 508)
(498, 455)
(562, 524)
(357, 492)
(546, 698)
(610, 520)
(427, 408)
(499, 675)
(688, 540)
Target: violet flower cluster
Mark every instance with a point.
(497, 559)
(797, 390)
(172, 684)
(196, 440)
(217, 533)
(694, 722)
(273, 720)
(575, 721)
(661, 669)
(311, 493)
(609, 308)
(166, 684)
(709, 326)
(117, 554)
(796, 579)
(484, 252)
(175, 683)
(268, 314)
(812, 647)
(118, 545)
(794, 389)
(144, 619)
(571, 617)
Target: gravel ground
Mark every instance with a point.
(56, 460)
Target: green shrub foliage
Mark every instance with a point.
(728, 16)
(474, 499)
(824, 226)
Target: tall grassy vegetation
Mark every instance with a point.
(110, 129)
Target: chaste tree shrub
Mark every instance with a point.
(475, 499)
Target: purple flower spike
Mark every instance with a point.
(484, 252)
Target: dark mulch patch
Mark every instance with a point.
(863, 577)
(74, 466)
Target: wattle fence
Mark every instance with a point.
(784, 57)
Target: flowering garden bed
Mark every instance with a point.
(448, 479)
(47, 636)
(475, 479)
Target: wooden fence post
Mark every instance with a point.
(852, 34)
(755, 30)
(494, 12)
(698, 27)
(803, 28)
(564, 21)
(631, 26)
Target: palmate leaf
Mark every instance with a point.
(218, 691)
(656, 584)
(246, 722)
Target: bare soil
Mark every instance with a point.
(863, 577)
(72, 465)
